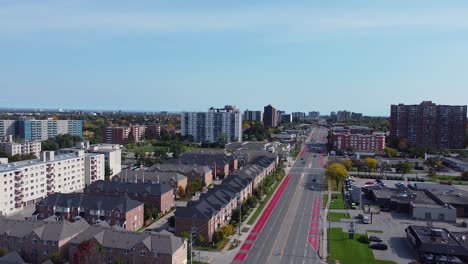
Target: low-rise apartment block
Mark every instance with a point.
(116, 211)
(360, 139)
(159, 196)
(23, 148)
(221, 162)
(27, 182)
(128, 247)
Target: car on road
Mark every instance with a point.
(366, 220)
(312, 188)
(379, 246)
(375, 239)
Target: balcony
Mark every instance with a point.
(18, 191)
(18, 198)
(50, 176)
(50, 193)
(50, 187)
(18, 177)
(18, 184)
(50, 181)
(17, 205)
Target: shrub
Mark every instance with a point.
(364, 240)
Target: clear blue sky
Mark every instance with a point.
(189, 55)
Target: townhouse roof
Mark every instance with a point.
(12, 258)
(90, 201)
(149, 176)
(185, 169)
(46, 229)
(259, 157)
(126, 240)
(204, 157)
(129, 187)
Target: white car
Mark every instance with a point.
(365, 220)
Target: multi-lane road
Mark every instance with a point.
(291, 231)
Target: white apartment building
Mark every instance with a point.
(26, 147)
(213, 125)
(112, 154)
(7, 127)
(29, 181)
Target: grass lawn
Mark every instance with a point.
(325, 200)
(349, 251)
(336, 217)
(264, 203)
(337, 201)
(218, 247)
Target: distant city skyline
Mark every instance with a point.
(360, 56)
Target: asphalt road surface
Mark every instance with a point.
(291, 233)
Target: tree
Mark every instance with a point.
(131, 137)
(56, 258)
(390, 152)
(336, 172)
(199, 239)
(348, 164)
(185, 234)
(154, 213)
(464, 176)
(403, 144)
(3, 252)
(146, 212)
(181, 192)
(49, 145)
(371, 164)
(358, 165)
(107, 172)
(88, 252)
(404, 168)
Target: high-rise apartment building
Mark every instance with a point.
(429, 124)
(253, 116)
(120, 135)
(213, 125)
(29, 181)
(31, 129)
(299, 115)
(314, 115)
(270, 116)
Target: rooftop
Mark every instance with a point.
(128, 187)
(90, 201)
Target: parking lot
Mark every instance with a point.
(390, 227)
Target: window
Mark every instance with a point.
(126, 251)
(142, 253)
(45, 253)
(109, 260)
(34, 241)
(109, 250)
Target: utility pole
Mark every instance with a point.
(240, 215)
(192, 233)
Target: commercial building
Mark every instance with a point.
(428, 124)
(31, 129)
(158, 196)
(419, 204)
(27, 182)
(216, 125)
(129, 247)
(34, 241)
(115, 210)
(23, 148)
(314, 115)
(270, 116)
(436, 245)
(253, 116)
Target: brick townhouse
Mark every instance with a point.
(129, 247)
(35, 240)
(192, 172)
(221, 162)
(174, 179)
(159, 196)
(214, 208)
(119, 211)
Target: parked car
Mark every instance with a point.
(375, 239)
(353, 206)
(312, 188)
(366, 220)
(370, 183)
(379, 246)
(360, 216)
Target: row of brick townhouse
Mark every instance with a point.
(118, 211)
(34, 241)
(192, 172)
(158, 196)
(214, 208)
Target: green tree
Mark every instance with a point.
(3, 252)
(464, 176)
(56, 258)
(49, 145)
(185, 234)
(107, 172)
(200, 239)
(404, 168)
(336, 172)
(371, 164)
(131, 137)
(348, 164)
(390, 152)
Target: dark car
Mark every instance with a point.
(375, 239)
(379, 246)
